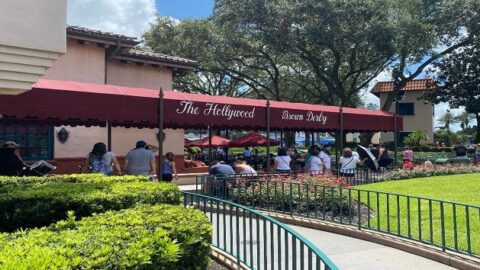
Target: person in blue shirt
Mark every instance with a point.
(168, 168)
(220, 168)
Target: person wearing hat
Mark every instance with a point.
(141, 160)
(11, 163)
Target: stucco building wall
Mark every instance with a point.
(133, 75)
(86, 63)
(32, 37)
(81, 63)
(423, 119)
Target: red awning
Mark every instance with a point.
(217, 141)
(252, 139)
(75, 103)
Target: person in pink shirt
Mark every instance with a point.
(408, 157)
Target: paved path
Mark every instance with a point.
(346, 252)
(351, 253)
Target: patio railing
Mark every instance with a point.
(255, 239)
(448, 225)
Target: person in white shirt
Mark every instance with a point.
(349, 163)
(326, 157)
(282, 161)
(316, 164)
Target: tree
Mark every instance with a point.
(459, 82)
(199, 40)
(416, 139)
(340, 45)
(425, 32)
(464, 119)
(447, 118)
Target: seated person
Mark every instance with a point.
(219, 167)
(11, 163)
(407, 164)
(459, 151)
(241, 167)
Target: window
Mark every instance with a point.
(36, 142)
(401, 136)
(406, 108)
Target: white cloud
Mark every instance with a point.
(126, 17)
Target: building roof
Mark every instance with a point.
(127, 52)
(155, 57)
(96, 34)
(414, 85)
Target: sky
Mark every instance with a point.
(133, 17)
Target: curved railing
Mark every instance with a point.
(447, 225)
(256, 240)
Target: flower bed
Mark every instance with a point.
(302, 194)
(145, 237)
(425, 171)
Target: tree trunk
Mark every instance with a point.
(307, 138)
(289, 137)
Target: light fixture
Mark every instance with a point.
(63, 135)
(158, 136)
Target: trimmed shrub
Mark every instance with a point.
(40, 204)
(145, 237)
(71, 178)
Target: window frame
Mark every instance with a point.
(399, 111)
(20, 139)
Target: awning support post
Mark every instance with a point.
(395, 134)
(210, 158)
(282, 144)
(268, 135)
(341, 128)
(109, 135)
(160, 134)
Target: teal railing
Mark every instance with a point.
(255, 239)
(448, 225)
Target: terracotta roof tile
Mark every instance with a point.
(156, 57)
(82, 31)
(414, 85)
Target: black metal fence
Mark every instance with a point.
(448, 225)
(255, 239)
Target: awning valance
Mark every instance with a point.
(76, 103)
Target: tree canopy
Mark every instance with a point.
(459, 81)
(316, 51)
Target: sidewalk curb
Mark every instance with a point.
(226, 259)
(433, 253)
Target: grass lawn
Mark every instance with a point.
(417, 217)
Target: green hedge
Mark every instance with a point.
(145, 237)
(40, 204)
(71, 178)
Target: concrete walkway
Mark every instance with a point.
(351, 253)
(346, 252)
